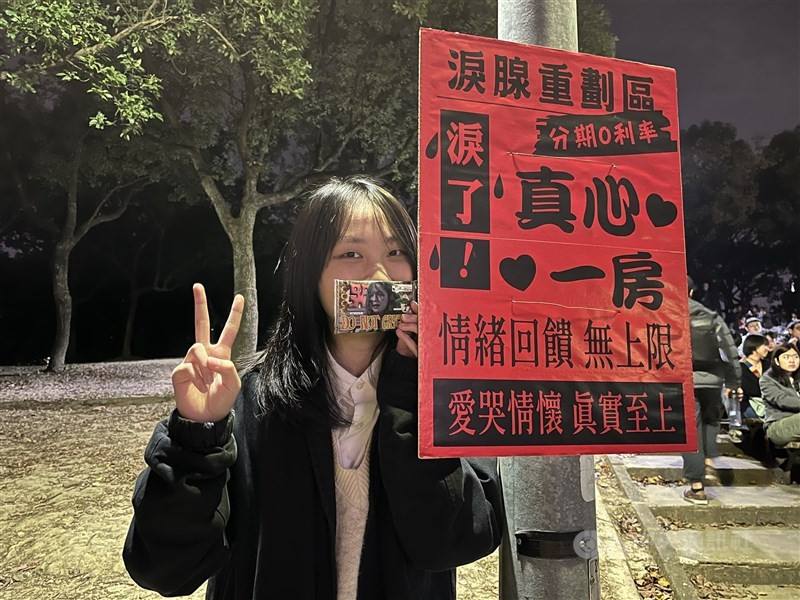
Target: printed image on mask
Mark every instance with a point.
(371, 305)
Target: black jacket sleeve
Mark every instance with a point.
(176, 539)
(446, 512)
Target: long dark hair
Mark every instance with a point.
(777, 372)
(294, 360)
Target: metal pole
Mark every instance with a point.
(550, 552)
(552, 23)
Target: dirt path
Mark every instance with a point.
(66, 477)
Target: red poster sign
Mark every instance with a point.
(552, 280)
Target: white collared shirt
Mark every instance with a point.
(358, 399)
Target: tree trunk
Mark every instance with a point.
(63, 305)
(133, 305)
(64, 244)
(240, 233)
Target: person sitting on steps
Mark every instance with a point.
(780, 389)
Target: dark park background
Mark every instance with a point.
(143, 142)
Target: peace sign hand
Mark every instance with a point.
(206, 382)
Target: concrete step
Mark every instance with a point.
(773, 592)
(745, 505)
(763, 555)
(727, 447)
(732, 470)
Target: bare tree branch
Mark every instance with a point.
(318, 172)
(169, 144)
(300, 185)
(96, 218)
(225, 40)
(337, 153)
(391, 166)
(207, 181)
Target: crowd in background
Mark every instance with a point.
(768, 395)
(756, 321)
(748, 380)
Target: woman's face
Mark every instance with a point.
(377, 299)
(762, 351)
(365, 250)
(789, 361)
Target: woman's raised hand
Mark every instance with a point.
(206, 382)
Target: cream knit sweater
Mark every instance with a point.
(357, 396)
(352, 506)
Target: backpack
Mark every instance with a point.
(705, 346)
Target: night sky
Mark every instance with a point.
(737, 60)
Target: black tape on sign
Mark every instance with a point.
(546, 544)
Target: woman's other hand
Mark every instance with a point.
(206, 382)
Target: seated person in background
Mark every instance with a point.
(794, 332)
(780, 391)
(772, 342)
(755, 351)
(752, 326)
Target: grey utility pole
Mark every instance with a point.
(550, 552)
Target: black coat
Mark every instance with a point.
(250, 504)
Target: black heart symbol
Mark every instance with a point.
(661, 212)
(518, 272)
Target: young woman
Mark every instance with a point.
(756, 352)
(780, 390)
(302, 481)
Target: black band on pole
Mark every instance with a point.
(546, 544)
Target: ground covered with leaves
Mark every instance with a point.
(67, 470)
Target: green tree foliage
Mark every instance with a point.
(65, 180)
(103, 46)
(225, 76)
(251, 101)
(779, 196)
(258, 132)
(360, 112)
(777, 214)
(594, 29)
(730, 222)
(718, 176)
(97, 44)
